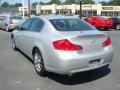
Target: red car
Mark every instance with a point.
(99, 22)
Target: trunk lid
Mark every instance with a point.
(91, 40)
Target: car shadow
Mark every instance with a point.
(79, 78)
(28, 58)
(101, 29)
(10, 30)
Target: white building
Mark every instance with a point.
(87, 9)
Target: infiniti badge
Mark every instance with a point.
(93, 41)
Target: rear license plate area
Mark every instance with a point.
(95, 62)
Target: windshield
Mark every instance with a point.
(71, 25)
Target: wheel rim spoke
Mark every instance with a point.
(118, 26)
(6, 28)
(38, 62)
(13, 43)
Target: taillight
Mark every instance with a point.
(12, 21)
(66, 45)
(107, 42)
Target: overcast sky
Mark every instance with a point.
(14, 1)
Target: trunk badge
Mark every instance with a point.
(93, 41)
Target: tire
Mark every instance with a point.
(13, 43)
(118, 26)
(106, 28)
(38, 63)
(7, 28)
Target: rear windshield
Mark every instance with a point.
(101, 18)
(16, 17)
(71, 25)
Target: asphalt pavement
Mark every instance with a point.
(17, 71)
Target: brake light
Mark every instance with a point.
(66, 45)
(12, 21)
(107, 42)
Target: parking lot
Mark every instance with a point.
(17, 71)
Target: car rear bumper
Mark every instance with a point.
(68, 63)
(12, 26)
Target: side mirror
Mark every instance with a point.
(17, 28)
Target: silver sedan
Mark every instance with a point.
(10, 22)
(62, 44)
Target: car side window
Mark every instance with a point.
(25, 25)
(36, 25)
(2, 18)
(113, 19)
(116, 19)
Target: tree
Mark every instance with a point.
(34, 4)
(18, 5)
(5, 4)
(111, 2)
(103, 3)
(69, 2)
(77, 1)
(11, 6)
(88, 1)
(55, 2)
(117, 2)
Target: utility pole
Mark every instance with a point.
(29, 10)
(115, 8)
(91, 9)
(0, 3)
(40, 7)
(80, 9)
(23, 14)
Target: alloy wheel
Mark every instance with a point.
(118, 27)
(13, 43)
(7, 29)
(38, 62)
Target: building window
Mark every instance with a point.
(77, 12)
(46, 11)
(107, 8)
(110, 13)
(64, 11)
(86, 12)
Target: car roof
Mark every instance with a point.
(94, 16)
(50, 17)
